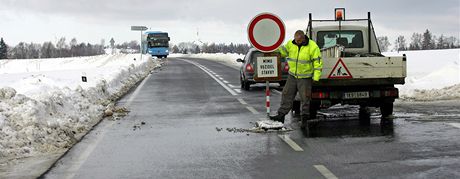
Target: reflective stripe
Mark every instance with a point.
(319, 58)
(300, 61)
(318, 69)
(290, 59)
(304, 62)
(301, 75)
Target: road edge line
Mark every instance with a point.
(212, 76)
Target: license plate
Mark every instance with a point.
(356, 95)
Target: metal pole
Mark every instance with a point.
(310, 25)
(140, 46)
(369, 31)
(267, 94)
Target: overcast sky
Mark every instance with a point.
(216, 20)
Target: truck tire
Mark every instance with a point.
(386, 109)
(246, 85)
(313, 110)
(364, 115)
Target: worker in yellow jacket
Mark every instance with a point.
(305, 65)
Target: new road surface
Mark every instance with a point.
(188, 119)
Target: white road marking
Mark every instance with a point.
(242, 101)
(212, 76)
(226, 82)
(457, 125)
(291, 143)
(237, 90)
(250, 108)
(231, 86)
(221, 78)
(87, 152)
(325, 172)
(130, 100)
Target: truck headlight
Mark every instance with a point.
(166, 51)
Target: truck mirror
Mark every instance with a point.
(240, 60)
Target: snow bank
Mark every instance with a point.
(432, 74)
(46, 108)
(228, 59)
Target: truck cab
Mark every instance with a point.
(352, 37)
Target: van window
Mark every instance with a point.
(254, 56)
(347, 38)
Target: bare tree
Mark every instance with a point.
(48, 50)
(416, 42)
(400, 44)
(384, 43)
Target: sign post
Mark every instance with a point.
(266, 32)
(139, 28)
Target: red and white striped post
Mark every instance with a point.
(267, 96)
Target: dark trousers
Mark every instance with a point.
(294, 85)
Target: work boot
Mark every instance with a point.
(278, 117)
(304, 119)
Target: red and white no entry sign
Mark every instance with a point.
(266, 32)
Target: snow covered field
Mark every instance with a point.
(45, 107)
(432, 74)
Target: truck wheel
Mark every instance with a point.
(386, 109)
(246, 85)
(364, 115)
(313, 111)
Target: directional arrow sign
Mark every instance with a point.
(139, 28)
(266, 32)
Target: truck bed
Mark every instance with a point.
(363, 71)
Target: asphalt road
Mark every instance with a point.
(174, 131)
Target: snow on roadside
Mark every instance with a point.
(431, 74)
(46, 108)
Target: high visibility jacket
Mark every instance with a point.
(304, 60)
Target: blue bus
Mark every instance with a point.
(156, 43)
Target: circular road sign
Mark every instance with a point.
(266, 32)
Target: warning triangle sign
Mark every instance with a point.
(340, 71)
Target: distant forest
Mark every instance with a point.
(60, 49)
(418, 41)
(190, 47)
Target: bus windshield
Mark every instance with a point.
(158, 40)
